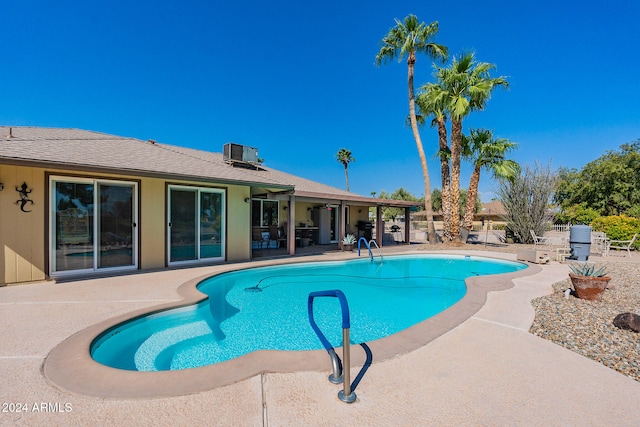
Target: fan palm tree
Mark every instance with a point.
(485, 152)
(461, 88)
(344, 156)
(433, 107)
(406, 39)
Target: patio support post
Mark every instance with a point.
(291, 226)
(407, 225)
(342, 221)
(379, 225)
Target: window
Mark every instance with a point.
(265, 212)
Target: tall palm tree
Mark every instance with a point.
(434, 107)
(461, 88)
(344, 156)
(485, 152)
(408, 38)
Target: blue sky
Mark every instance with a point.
(297, 80)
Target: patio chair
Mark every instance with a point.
(599, 243)
(282, 237)
(273, 236)
(539, 240)
(257, 241)
(623, 244)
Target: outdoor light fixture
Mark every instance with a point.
(247, 199)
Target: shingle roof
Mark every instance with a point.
(95, 151)
(302, 185)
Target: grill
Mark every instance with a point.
(365, 229)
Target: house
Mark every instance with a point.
(76, 202)
(491, 214)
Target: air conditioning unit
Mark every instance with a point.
(240, 153)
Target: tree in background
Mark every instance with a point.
(399, 194)
(485, 152)
(527, 200)
(576, 214)
(436, 197)
(408, 38)
(610, 184)
(461, 88)
(344, 156)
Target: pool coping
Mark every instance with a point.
(70, 366)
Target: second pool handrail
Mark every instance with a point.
(340, 373)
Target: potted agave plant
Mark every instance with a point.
(588, 280)
(348, 241)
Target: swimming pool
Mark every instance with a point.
(266, 309)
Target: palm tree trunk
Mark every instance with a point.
(431, 229)
(456, 143)
(445, 174)
(472, 194)
(346, 175)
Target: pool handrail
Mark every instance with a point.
(339, 374)
(362, 239)
(368, 245)
(379, 250)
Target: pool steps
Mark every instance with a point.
(149, 356)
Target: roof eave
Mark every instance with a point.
(141, 173)
(358, 199)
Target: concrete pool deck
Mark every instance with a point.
(489, 370)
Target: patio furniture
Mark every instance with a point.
(539, 240)
(600, 243)
(623, 244)
(273, 237)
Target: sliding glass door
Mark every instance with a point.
(116, 225)
(196, 224)
(93, 225)
(182, 225)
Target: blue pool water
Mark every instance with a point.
(266, 308)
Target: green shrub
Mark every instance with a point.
(618, 227)
(633, 211)
(577, 214)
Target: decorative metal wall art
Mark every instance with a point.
(24, 196)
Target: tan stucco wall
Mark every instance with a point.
(23, 236)
(238, 224)
(356, 216)
(22, 233)
(302, 214)
(153, 231)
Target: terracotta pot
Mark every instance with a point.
(347, 247)
(589, 287)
